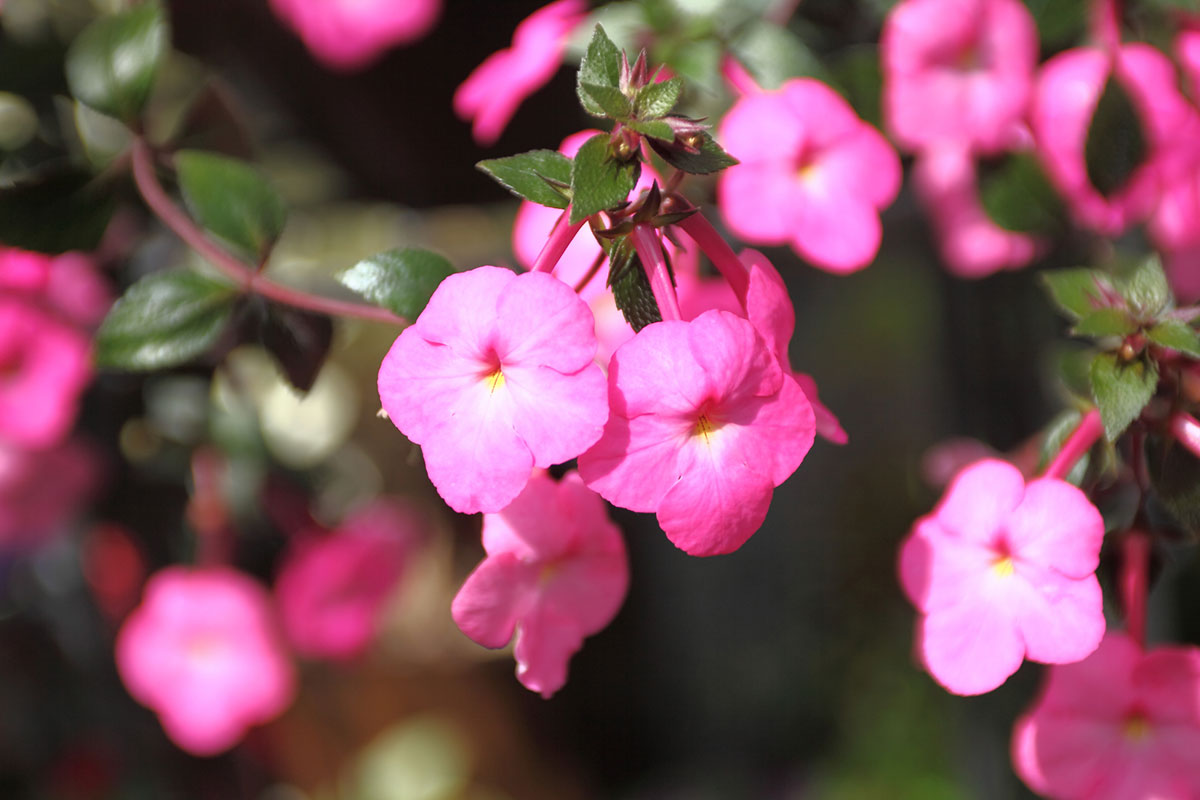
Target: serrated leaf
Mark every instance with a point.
(1146, 288)
(657, 99)
(298, 340)
(656, 129)
(231, 200)
(402, 281)
(610, 99)
(1121, 390)
(163, 320)
(1076, 292)
(1019, 197)
(527, 175)
(631, 287)
(601, 66)
(1116, 142)
(1105, 322)
(710, 159)
(1176, 335)
(112, 64)
(598, 181)
(54, 212)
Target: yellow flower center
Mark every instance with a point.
(1137, 728)
(1003, 566)
(704, 428)
(495, 380)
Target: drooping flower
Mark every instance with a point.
(492, 92)
(971, 244)
(1066, 96)
(555, 572)
(494, 378)
(333, 586)
(44, 366)
(350, 34)
(1123, 724)
(202, 651)
(1002, 571)
(957, 71)
(704, 425)
(812, 175)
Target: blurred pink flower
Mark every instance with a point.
(555, 572)
(1001, 571)
(40, 490)
(971, 244)
(45, 365)
(1121, 725)
(812, 175)
(203, 652)
(492, 92)
(703, 426)
(494, 378)
(69, 285)
(350, 34)
(332, 587)
(957, 71)
(1187, 53)
(1067, 93)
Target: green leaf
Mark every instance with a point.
(1116, 143)
(1059, 24)
(232, 200)
(773, 54)
(1146, 288)
(1121, 390)
(711, 157)
(1018, 196)
(630, 286)
(656, 129)
(55, 211)
(610, 99)
(111, 66)
(1105, 322)
(599, 182)
(1176, 335)
(601, 66)
(1077, 292)
(298, 340)
(657, 99)
(528, 176)
(163, 320)
(402, 281)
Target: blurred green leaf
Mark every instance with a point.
(1146, 288)
(657, 99)
(1077, 292)
(112, 64)
(1116, 143)
(1019, 197)
(527, 175)
(601, 66)
(599, 181)
(773, 54)
(1121, 390)
(230, 199)
(1059, 24)
(401, 281)
(857, 72)
(710, 158)
(1054, 436)
(54, 210)
(1176, 335)
(298, 340)
(163, 320)
(1105, 322)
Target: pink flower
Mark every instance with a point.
(41, 490)
(333, 586)
(68, 285)
(812, 175)
(704, 425)
(202, 652)
(1187, 53)
(349, 34)
(44, 367)
(957, 71)
(491, 94)
(1001, 571)
(494, 378)
(971, 244)
(1068, 91)
(555, 572)
(1121, 725)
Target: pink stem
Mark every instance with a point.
(719, 252)
(1133, 580)
(1106, 23)
(560, 238)
(1186, 429)
(650, 252)
(738, 76)
(1078, 443)
(183, 227)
